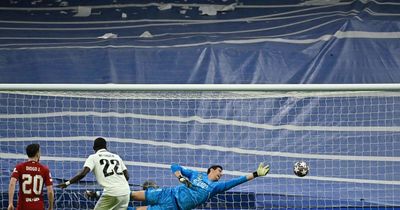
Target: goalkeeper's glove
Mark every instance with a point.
(261, 170)
(185, 181)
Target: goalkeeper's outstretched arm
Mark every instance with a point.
(262, 170)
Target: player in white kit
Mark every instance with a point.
(111, 173)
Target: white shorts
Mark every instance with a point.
(107, 202)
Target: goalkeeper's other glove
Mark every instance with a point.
(185, 181)
(261, 170)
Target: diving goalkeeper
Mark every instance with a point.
(196, 189)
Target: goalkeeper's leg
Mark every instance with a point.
(138, 195)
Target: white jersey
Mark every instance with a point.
(108, 169)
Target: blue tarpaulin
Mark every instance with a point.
(207, 42)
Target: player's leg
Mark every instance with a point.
(106, 202)
(122, 202)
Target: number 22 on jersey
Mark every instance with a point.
(110, 167)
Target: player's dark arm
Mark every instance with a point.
(50, 196)
(76, 178)
(126, 174)
(11, 190)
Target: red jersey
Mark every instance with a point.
(31, 176)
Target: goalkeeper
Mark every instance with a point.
(196, 189)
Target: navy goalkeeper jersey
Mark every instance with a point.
(202, 188)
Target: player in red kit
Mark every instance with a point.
(31, 176)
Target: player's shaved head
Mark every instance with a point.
(32, 150)
(99, 143)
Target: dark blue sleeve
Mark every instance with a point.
(224, 186)
(185, 172)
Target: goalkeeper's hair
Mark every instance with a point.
(214, 167)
